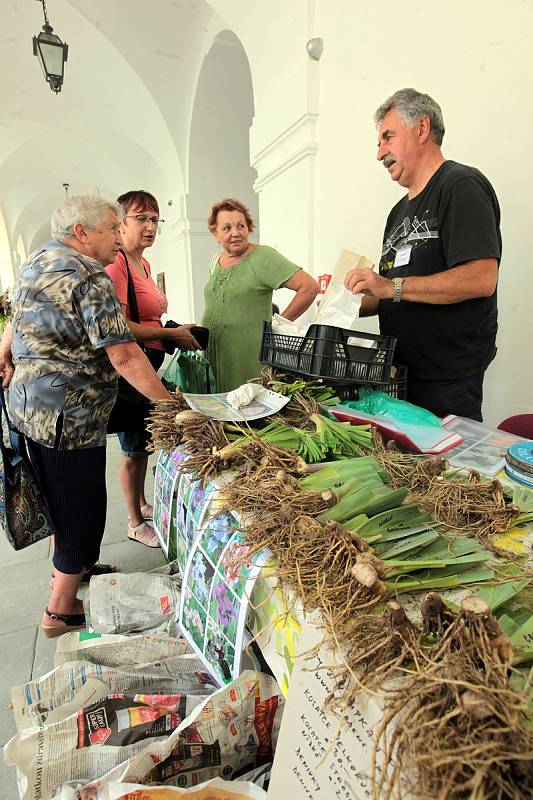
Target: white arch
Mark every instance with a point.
(216, 27)
(21, 250)
(6, 264)
(218, 161)
(104, 121)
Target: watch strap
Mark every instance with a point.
(398, 285)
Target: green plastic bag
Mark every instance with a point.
(380, 404)
(190, 370)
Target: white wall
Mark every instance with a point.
(125, 118)
(468, 57)
(475, 60)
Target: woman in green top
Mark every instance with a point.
(238, 295)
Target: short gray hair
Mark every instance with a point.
(412, 106)
(89, 210)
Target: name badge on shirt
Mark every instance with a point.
(402, 256)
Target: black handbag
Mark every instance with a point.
(200, 334)
(24, 514)
(168, 344)
(131, 407)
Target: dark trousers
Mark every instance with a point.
(462, 397)
(73, 483)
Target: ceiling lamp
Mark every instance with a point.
(51, 52)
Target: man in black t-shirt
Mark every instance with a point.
(436, 287)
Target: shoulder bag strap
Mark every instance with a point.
(4, 410)
(132, 297)
(3, 413)
(15, 436)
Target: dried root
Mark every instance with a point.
(279, 492)
(161, 423)
(479, 508)
(298, 411)
(457, 728)
(258, 453)
(465, 506)
(317, 562)
(209, 451)
(171, 425)
(436, 616)
(405, 469)
(374, 648)
(268, 377)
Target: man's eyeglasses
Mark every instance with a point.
(142, 219)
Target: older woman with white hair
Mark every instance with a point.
(68, 340)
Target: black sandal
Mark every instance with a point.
(96, 569)
(73, 622)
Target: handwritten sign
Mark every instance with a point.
(319, 756)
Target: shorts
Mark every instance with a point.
(133, 442)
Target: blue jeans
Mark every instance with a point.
(133, 442)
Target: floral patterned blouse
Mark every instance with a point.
(65, 312)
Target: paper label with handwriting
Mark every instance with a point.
(317, 757)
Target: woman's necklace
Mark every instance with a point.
(223, 275)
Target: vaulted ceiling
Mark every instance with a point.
(124, 109)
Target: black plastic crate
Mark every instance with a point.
(324, 352)
(396, 387)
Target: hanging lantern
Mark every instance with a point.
(51, 52)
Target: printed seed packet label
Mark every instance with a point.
(166, 479)
(217, 583)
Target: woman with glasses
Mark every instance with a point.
(138, 230)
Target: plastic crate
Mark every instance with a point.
(396, 387)
(324, 352)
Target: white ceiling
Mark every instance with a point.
(124, 109)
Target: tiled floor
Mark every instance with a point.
(24, 591)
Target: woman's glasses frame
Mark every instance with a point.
(144, 219)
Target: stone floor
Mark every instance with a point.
(24, 591)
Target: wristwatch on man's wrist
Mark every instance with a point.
(398, 284)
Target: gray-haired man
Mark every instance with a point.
(436, 288)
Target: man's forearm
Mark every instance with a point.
(465, 282)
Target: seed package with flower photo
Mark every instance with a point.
(224, 608)
(220, 578)
(166, 477)
(195, 616)
(192, 509)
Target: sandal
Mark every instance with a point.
(147, 511)
(73, 622)
(96, 569)
(134, 530)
